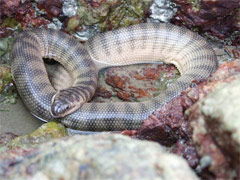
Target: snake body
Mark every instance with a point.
(146, 42)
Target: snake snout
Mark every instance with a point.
(64, 103)
(60, 109)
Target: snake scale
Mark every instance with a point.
(146, 42)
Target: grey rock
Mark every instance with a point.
(162, 10)
(55, 24)
(69, 8)
(87, 32)
(102, 156)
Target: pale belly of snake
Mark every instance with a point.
(188, 51)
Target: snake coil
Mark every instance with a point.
(145, 42)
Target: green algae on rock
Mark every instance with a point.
(46, 132)
(8, 92)
(111, 14)
(101, 156)
(5, 47)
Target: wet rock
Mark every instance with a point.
(112, 14)
(55, 24)
(24, 15)
(165, 124)
(162, 10)
(8, 92)
(73, 23)
(219, 18)
(86, 32)
(69, 7)
(53, 8)
(44, 133)
(136, 82)
(8, 7)
(101, 156)
(6, 137)
(170, 124)
(216, 129)
(98, 16)
(5, 46)
(227, 53)
(187, 150)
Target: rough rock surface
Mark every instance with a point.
(25, 143)
(219, 18)
(8, 92)
(216, 130)
(6, 137)
(101, 156)
(170, 124)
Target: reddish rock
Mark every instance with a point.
(102, 92)
(26, 15)
(53, 8)
(116, 81)
(219, 17)
(188, 151)
(217, 166)
(164, 126)
(123, 95)
(142, 93)
(13, 13)
(150, 73)
(132, 133)
(170, 124)
(236, 53)
(8, 7)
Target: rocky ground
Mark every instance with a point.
(201, 126)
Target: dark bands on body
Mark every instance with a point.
(149, 42)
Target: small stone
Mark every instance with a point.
(69, 8)
(162, 11)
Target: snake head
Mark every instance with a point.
(64, 102)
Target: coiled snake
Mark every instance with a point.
(146, 42)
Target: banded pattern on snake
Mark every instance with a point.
(146, 42)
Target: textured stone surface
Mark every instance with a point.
(216, 130)
(219, 18)
(101, 156)
(43, 134)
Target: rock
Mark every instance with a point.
(134, 83)
(162, 10)
(46, 132)
(216, 130)
(164, 126)
(101, 156)
(5, 47)
(219, 18)
(98, 16)
(170, 124)
(6, 137)
(187, 150)
(53, 8)
(8, 92)
(111, 14)
(69, 7)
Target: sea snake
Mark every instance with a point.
(146, 42)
